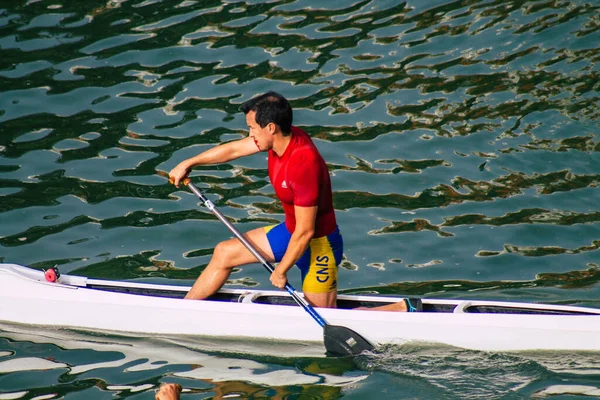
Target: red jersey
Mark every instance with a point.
(300, 178)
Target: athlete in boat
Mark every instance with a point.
(309, 237)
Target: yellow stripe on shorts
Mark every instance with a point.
(322, 274)
(268, 228)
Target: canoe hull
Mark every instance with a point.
(25, 297)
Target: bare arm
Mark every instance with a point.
(304, 232)
(216, 155)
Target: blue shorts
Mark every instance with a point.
(318, 265)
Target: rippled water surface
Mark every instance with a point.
(462, 138)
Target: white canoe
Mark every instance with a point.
(151, 309)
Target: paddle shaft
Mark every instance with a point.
(210, 205)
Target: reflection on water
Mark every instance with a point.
(99, 366)
(462, 139)
(86, 362)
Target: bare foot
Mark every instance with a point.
(168, 391)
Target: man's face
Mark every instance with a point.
(263, 137)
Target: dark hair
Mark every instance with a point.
(271, 107)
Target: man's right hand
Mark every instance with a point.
(179, 173)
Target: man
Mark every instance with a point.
(309, 237)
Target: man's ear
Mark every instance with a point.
(272, 127)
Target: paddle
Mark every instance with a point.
(338, 340)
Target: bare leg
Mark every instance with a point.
(325, 300)
(399, 306)
(227, 255)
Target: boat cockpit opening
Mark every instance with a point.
(257, 297)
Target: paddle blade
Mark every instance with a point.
(342, 341)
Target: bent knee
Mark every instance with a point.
(231, 253)
(223, 252)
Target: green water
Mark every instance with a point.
(462, 139)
